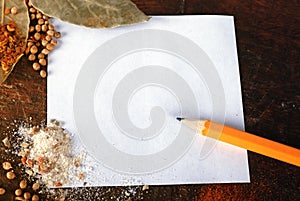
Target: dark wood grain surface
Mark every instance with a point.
(268, 39)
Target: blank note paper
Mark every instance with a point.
(120, 90)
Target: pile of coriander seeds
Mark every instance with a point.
(42, 40)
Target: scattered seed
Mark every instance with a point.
(19, 198)
(41, 21)
(35, 198)
(37, 36)
(14, 10)
(54, 42)
(23, 160)
(80, 176)
(7, 11)
(31, 29)
(51, 27)
(43, 74)
(18, 192)
(32, 16)
(23, 184)
(6, 142)
(2, 191)
(38, 15)
(30, 163)
(41, 56)
(48, 38)
(49, 46)
(33, 49)
(36, 66)
(27, 195)
(32, 10)
(45, 51)
(38, 28)
(35, 186)
(145, 187)
(44, 28)
(6, 165)
(57, 34)
(29, 172)
(31, 57)
(43, 62)
(50, 32)
(10, 175)
(58, 184)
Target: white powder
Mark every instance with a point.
(47, 154)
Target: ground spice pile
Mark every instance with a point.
(11, 45)
(47, 154)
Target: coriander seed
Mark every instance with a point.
(44, 42)
(27, 195)
(29, 44)
(43, 62)
(23, 184)
(13, 10)
(41, 21)
(38, 28)
(43, 74)
(44, 28)
(49, 46)
(31, 57)
(32, 16)
(2, 191)
(35, 198)
(35, 186)
(38, 15)
(10, 175)
(45, 51)
(32, 10)
(54, 42)
(36, 66)
(50, 32)
(6, 165)
(51, 27)
(33, 49)
(31, 29)
(57, 34)
(48, 38)
(41, 56)
(18, 192)
(37, 36)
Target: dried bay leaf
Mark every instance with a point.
(21, 19)
(93, 13)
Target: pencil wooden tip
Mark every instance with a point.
(179, 118)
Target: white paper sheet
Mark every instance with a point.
(120, 90)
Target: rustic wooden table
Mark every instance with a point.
(268, 39)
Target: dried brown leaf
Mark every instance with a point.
(93, 13)
(21, 19)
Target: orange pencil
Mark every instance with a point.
(245, 140)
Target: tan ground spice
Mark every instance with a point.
(11, 45)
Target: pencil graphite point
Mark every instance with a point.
(179, 118)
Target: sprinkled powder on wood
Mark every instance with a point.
(47, 154)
